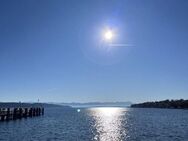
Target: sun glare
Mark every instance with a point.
(108, 123)
(108, 35)
(109, 111)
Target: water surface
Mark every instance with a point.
(100, 124)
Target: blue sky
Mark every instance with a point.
(52, 50)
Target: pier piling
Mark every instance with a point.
(7, 114)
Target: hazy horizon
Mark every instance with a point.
(90, 102)
(56, 51)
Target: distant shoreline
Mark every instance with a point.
(167, 104)
(97, 104)
(19, 104)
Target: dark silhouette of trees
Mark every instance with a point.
(173, 104)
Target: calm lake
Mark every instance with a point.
(100, 124)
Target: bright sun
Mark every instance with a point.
(108, 35)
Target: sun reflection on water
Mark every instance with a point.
(108, 123)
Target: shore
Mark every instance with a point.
(170, 104)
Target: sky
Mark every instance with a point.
(55, 51)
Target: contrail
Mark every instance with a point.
(121, 45)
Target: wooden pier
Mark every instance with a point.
(7, 114)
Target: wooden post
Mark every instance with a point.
(0, 114)
(2, 117)
(20, 113)
(8, 114)
(39, 111)
(34, 112)
(30, 112)
(15, 114)
(42, 111)
(25, 112)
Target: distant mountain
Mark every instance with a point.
(172, 104)
(17, 104)
(98, 104)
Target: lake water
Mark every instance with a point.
(100, 124)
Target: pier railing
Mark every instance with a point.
(7, 114)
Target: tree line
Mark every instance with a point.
(174, 104)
